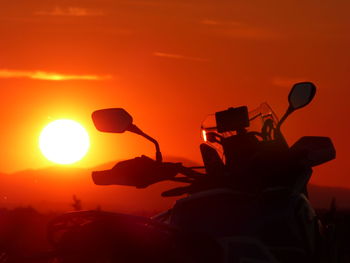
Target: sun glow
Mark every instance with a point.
(64, 141)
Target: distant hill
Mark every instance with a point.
(53, 188)
(321, 196)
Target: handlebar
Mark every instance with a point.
(142, 172)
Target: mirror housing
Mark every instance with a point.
(114, 120)
(301, 95)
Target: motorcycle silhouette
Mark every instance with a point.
(250, 204)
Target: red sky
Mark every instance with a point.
(169, 63)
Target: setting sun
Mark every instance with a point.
(64, 141)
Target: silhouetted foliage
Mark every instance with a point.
(77, 204)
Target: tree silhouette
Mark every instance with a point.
(77, 206)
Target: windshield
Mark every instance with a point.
(258, 118)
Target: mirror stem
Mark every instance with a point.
(133, 128)
(284, 117)
(278, 134)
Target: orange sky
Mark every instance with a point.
(169, 63)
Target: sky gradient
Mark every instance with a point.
(169, 64)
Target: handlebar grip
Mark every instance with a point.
(139, 172)
(106, 177)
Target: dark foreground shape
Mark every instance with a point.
(249, 205)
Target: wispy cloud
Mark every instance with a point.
(43, 75)
(286, 82)
(177, 56)
(70, 11)
(167, 4)
(213, 22)
(247, 33)
(236, 29)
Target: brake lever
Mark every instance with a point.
(189, 172)
(182, 180)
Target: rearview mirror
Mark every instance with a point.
(115, 120)
(301, 95)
